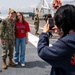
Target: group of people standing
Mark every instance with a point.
(60, 55)
(14, 33)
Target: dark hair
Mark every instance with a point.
(49, 16)
(23, 20)
(65, 18)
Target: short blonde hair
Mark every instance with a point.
(11, 11)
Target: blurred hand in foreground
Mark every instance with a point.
(58, 31)
(46, 28)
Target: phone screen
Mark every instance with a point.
(51, 23)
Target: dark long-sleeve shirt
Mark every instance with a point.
(61, 55)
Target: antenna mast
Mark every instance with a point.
(41, 6)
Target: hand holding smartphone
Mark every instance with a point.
(50, 21)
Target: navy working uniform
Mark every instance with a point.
(8, 35)
(7, 39)
(61, 55)
(36, 23)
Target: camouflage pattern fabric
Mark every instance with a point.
(7, 29)
(8, 47)
(8, 35)
(36, 23)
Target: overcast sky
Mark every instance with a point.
(24, 5)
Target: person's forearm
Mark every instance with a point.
(2, 34)
(44, 38)
(27, 35)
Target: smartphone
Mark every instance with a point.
(50, 21)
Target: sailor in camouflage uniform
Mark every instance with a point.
(7, 39)
(36, 23)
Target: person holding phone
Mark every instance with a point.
(50, 22)
(61, 55)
